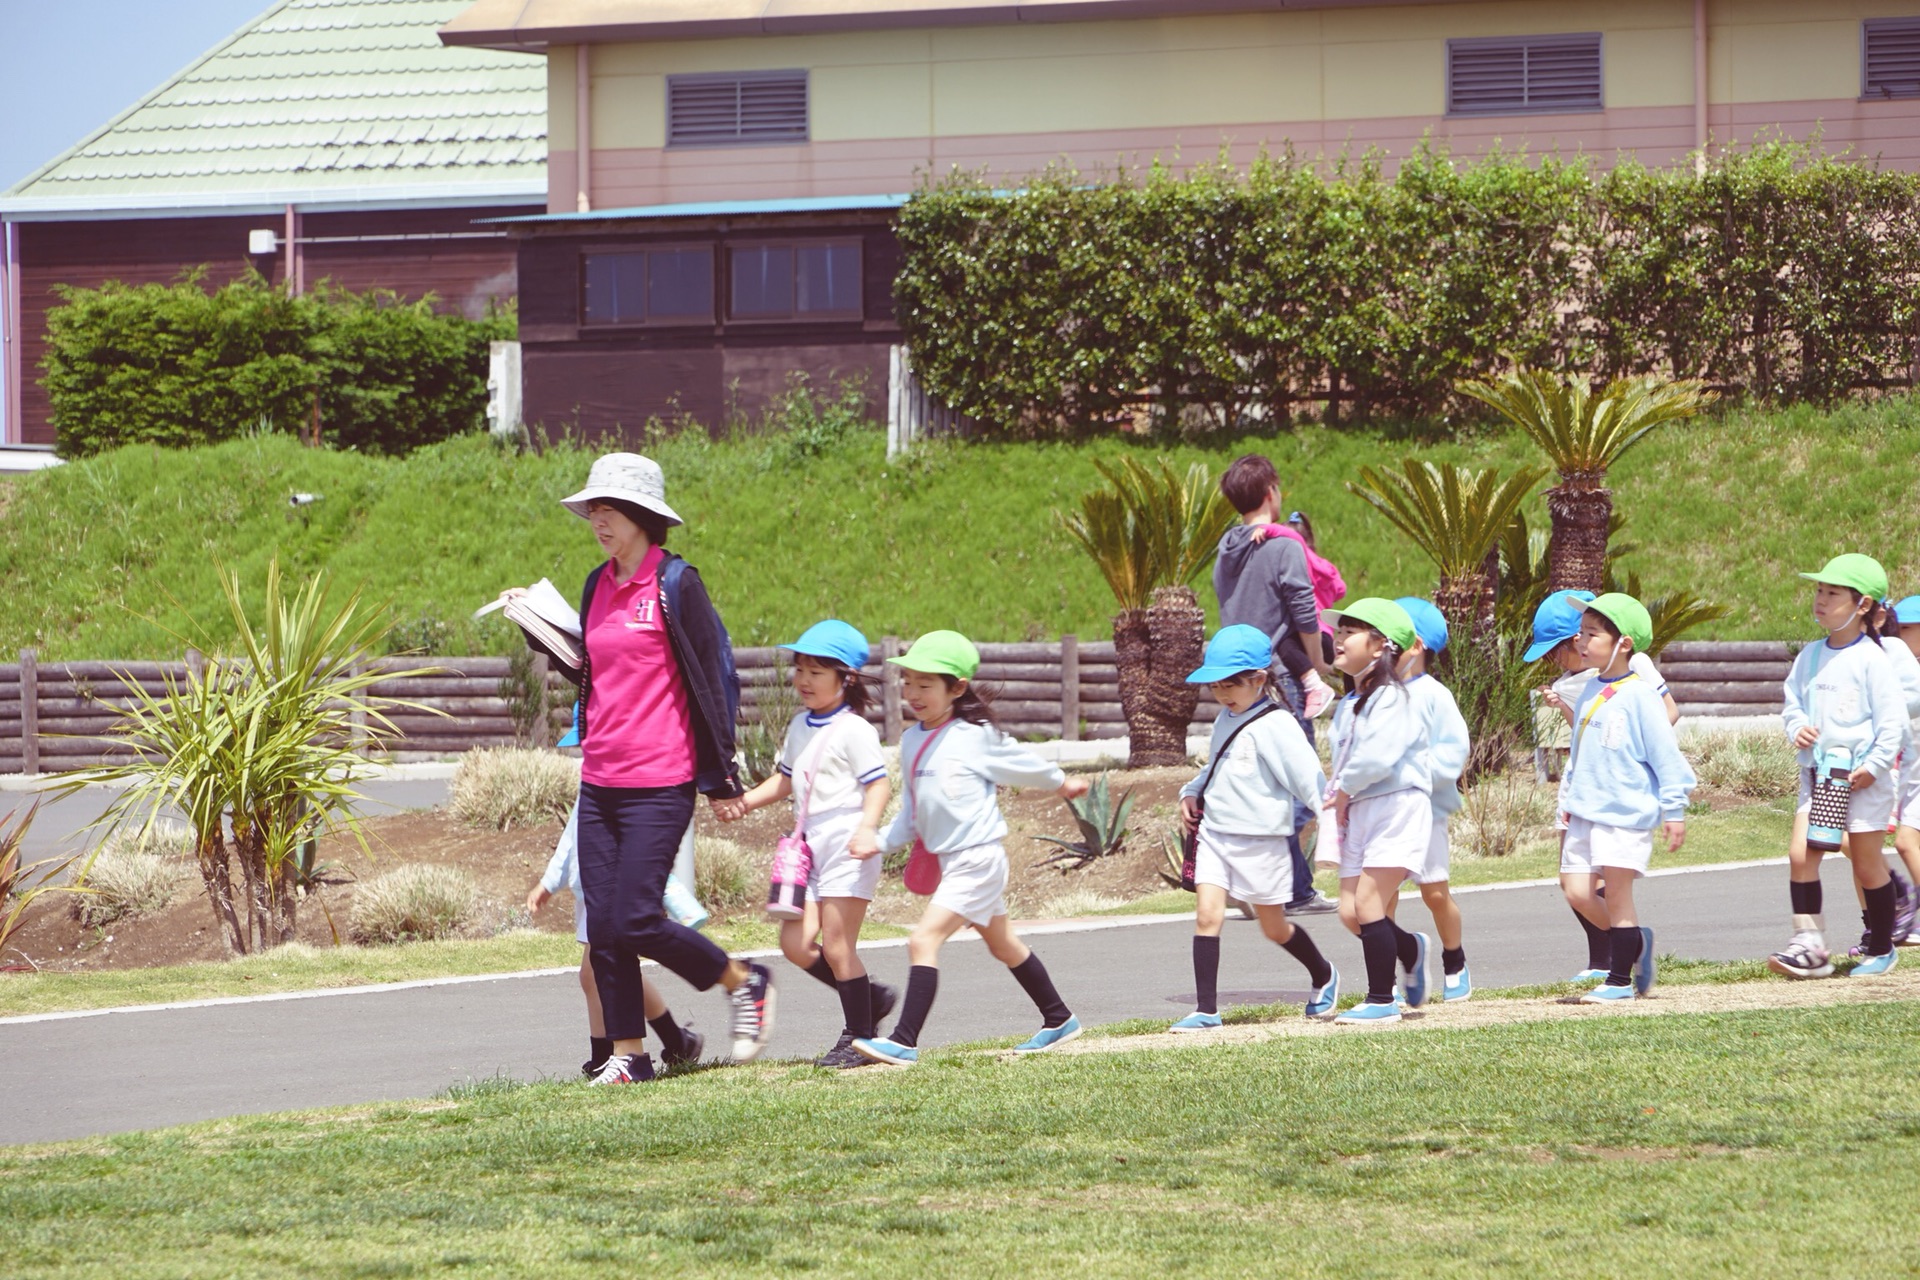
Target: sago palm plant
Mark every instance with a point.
(261, 751)
(1583, 434)
(1456, 516)
(1150, 532)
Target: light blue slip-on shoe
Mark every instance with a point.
(1417, 975)
(1197, 1021)
(1870, 966)
(1456, 986)
(1643, 973)
(1321, 999)
(1604, 994)
(1589, 975)
(1047, 1037)
(1370, 1015)
(887, 1052)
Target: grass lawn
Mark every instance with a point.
(303, 968)
(953, 536)
(1756, 1143)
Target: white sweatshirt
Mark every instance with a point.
(950, 799)
(1382, 749)
(1906, 669)
(1269, 769)
(1447, 739)
(1852, 696)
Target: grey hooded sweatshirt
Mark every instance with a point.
(1267, 586)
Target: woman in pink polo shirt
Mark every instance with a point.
(657, 704)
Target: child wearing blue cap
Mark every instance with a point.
(1448, 745)
(842, 789)
(1240, 811)
(1900, 637)
(1556, 627)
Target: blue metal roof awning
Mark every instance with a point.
(719, 209)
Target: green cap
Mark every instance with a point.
(1626, 613)
(1861, 573)
(1384, 616)
(941, 653)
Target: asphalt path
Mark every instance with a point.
(261, 1054)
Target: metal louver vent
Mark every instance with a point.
(1513, 74)
(729, 110)
(1891, 58)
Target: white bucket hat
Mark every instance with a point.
(628, 477)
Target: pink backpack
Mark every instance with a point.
(1329, 588)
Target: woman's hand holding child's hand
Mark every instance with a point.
(730, 810)
(1073, 788)
(1676, 836)
(865, 842)
(1805, 737)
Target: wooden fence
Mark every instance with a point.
(56, 717)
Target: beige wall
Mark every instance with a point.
(889, 106)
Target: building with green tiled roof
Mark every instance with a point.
(327, 139)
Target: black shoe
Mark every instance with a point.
(842, 1057)
(884, 998)
(625, 1068)
(591, 1067)
(692, 1044)
(844, 1042)
(752, 1003)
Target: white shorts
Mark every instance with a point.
(973, 882)
(1870, 809)
(1258, 870)
(1438, 865)
(1391, 830)
(1907, 812)
(1592, 845)
(837, 873)
(580, 917)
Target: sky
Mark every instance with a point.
(69, 66)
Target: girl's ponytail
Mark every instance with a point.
(1382, 672)
(973, 706)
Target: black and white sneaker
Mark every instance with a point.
(1801, 958)
(842, 1057)
(625, 1068)
(752, 1003)
(884, 998)
(692, 1045)
(1314, 904)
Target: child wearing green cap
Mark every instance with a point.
(1240, 811)
(1845, 716)
(953, 760)
(1625, 776)
(1380, 809)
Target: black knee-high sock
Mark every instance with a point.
(1405, 949)
(1452, 960)
(821, 971)
(856, 1006)
(1881, 904)
(1376, 941)
(1599, 945)
(1032, 975)
(1627, 941)
(599, 1049)
(1806, 896)
(1206, 973)
(1301, 948)
(673, 1042)
(922, 981)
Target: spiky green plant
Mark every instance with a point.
(1456, 516)
(1583, 434)
(21, 882)
(1102, 823)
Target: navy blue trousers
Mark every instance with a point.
(628, 839)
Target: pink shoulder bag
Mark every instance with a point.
(922, 873)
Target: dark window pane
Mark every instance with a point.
(615, 287)
(828, 278)
(763, 281)
(680, 284)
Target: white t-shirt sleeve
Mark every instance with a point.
(1641, 665)
(865, 760)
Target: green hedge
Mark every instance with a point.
(1228, 297)
(181, 365)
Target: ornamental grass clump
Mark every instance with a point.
(415, 902)
(135, 874)
(504, 787)
(728, 878)
(1759, 765)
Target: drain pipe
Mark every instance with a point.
(583, 126)
(1700, 88)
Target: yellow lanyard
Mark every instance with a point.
(1605, 693)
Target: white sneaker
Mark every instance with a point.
(1804, 957)
(1317, 694)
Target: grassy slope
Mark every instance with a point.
(957, 537)
(1680, 1144)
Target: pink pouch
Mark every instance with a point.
(922, 872)
(787, 888)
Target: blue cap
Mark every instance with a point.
(1428, 622)
(572, 736)
(1233, 650)
(1557, 619)
(1907, 612)
(832, 639)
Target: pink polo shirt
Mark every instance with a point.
(639, 727)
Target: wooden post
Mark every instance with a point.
(1070, 688)
(196, 665)
(29, 711)
(890, 687)
(543, 726)
(357, 738)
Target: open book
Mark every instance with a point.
(550, 623)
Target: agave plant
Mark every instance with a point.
(1150, 532)
(1102, 823)
(259, 752)
(1456, 516)
(1584, 434)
